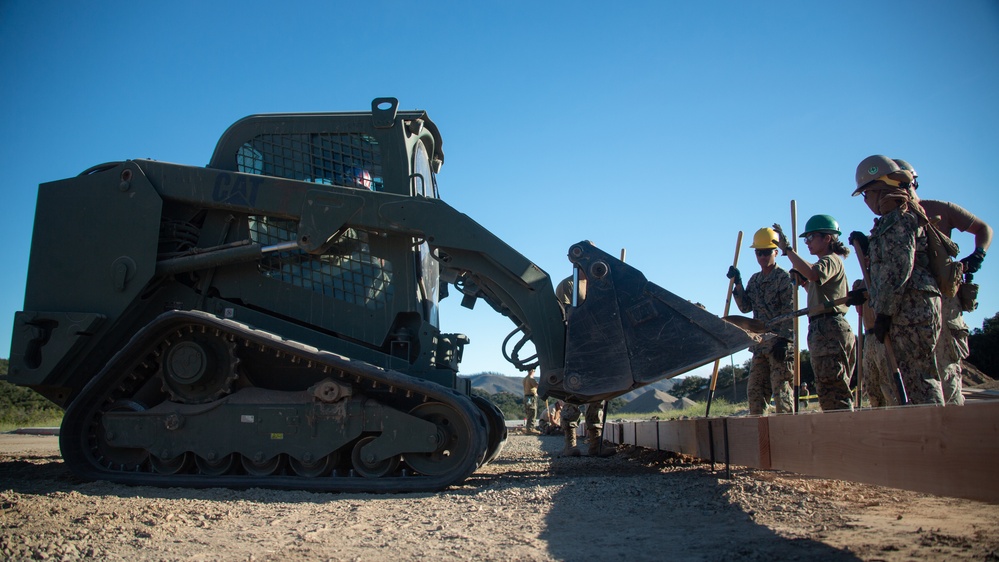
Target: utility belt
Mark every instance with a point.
(824, 315)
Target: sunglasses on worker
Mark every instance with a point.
(764, 252)
(813, 236)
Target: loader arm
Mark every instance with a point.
(484, 266)
(626, 334)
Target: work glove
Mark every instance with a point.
(781, 351)
(798, 278)
(782, 242)
(733, 273)
(882, 324)
(856, 297)
(973, 262)
(859, 238)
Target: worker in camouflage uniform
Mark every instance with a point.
(830, 339)
(953, 344)
(551, 420)
(530, 403)
(768, 294)
(879, 384)
(594, 429)
(570, 412)
(903, 293)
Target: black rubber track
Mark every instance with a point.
(130, 366)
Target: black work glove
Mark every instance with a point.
(973, 262)
(859, 238)
(733, 273)
(782, 242)
(781, 350)
(798, 277)
(881, 327)
(856, 297)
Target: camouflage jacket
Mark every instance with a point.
(898, 261)
(768, 296)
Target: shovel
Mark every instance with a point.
(760, 327)
(728, 301)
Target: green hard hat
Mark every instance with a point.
(821, 223)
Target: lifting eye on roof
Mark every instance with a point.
(383, 111)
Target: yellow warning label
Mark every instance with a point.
(277, 435)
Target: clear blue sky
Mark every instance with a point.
(661, 127)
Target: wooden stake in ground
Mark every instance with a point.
(728, 302)
(859, 355)
(794, 306)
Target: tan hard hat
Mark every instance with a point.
(872, 168)
(907, 167)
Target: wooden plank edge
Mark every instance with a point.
(951, 451)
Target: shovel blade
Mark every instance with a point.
(750, 325)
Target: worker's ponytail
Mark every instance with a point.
(836, 246)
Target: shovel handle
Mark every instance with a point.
(794, 304)
(817, 309)
(728, 303)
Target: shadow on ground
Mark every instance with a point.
(672, 509)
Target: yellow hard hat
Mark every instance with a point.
(764, 239)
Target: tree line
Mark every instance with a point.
(20, 406)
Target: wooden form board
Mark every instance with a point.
(950, 451)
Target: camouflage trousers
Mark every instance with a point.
(530, 412)
(570, 416)
(770, 375)
(831, 345)
(914, 334)
(952, 347)
(879, 383)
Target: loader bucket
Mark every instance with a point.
(628, 332)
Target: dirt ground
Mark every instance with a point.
(527, 505)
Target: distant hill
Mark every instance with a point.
(656, 401)
(664, 386)
(650, 401)
(493, 383)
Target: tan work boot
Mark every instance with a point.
(570, 443)
(596, 449)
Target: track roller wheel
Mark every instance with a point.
(176, 465)
(370, 469)
(320, 467)
(261, 467)
(454, 438)
(217, 467)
